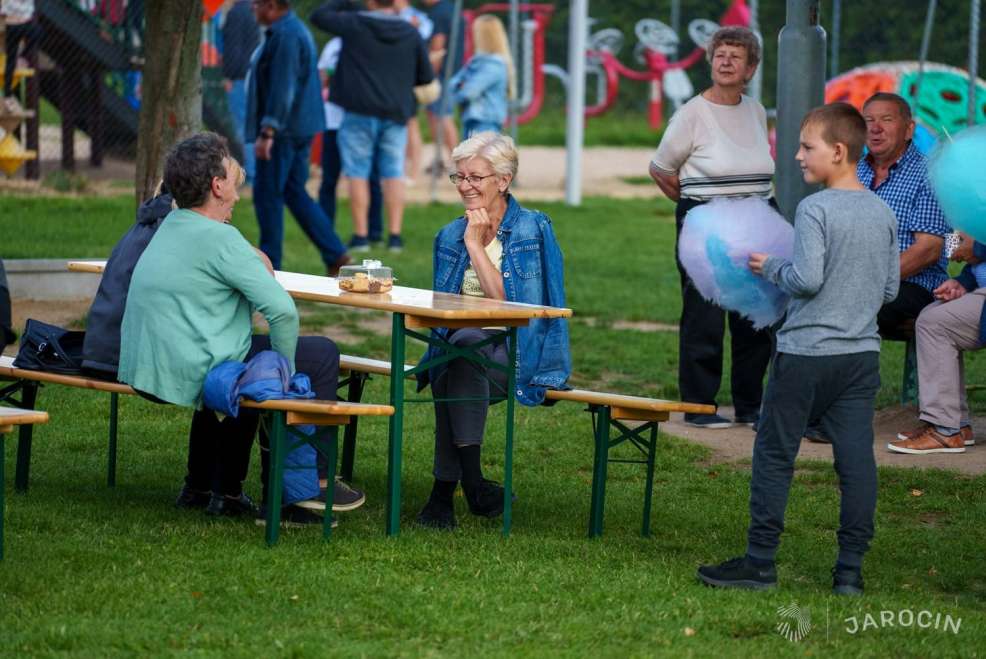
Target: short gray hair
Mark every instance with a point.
(735, 35)
(496, 149)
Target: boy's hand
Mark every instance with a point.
(949, 291)
(757, 259)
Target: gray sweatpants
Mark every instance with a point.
(943, 331)
(463, 423)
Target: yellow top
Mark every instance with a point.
(470, 281)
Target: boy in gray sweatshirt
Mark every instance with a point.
(845, 267)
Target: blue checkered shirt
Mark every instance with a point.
(908, 193)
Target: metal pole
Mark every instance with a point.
(676, 25)
(755, 88)
(800, 87)
(836, 38)
(929, 22)
(974, 15)
(575, 120)
(515, 56)
(450, 50)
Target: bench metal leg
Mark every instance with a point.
(3, 507)
(331, 456)
(599, 464)
(354, 395)
(396, 439)
(909, 385)
(508, 457)
(24, 436)
(111, 449)
(275, 478)
(651, 447)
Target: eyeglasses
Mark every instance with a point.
(471, 180)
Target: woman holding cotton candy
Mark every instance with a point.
(716, 147)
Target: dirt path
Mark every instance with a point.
(731, 445)
(736, 444)
(605, 171)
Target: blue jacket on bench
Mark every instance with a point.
(968, 281)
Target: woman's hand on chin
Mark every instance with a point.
(478, 226)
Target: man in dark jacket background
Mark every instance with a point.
(6, 328)
(383, 58)
(284, 112)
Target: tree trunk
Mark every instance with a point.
(171, 102)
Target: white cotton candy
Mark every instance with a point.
(715, 245)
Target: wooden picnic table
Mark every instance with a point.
(414, 309)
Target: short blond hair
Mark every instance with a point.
(496, 149)
(734, 35)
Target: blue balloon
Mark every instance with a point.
(957, 169)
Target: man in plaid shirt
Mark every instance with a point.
(897, 172)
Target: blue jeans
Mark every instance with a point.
(472, 126)
(281, 180)
(236, 98)
(331, 169)
(371, 145)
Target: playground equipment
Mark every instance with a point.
(938, 94)
(12, 115)
(656, 48)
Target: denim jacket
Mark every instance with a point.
(968, 281)
(481, 88)
(283, 88)
(532, 274)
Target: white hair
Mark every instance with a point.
(496, 149)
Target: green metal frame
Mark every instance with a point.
(25, 433)
(602, 423)
(283, 440)
(399, 335)
(3, 485)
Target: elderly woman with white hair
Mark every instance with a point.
(503, 251)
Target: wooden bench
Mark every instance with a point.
(635, 419)
(10, 417)
(283, 416)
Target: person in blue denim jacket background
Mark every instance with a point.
(499, 250)
(483, 86)
(284, 113)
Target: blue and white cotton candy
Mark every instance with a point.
(715, 245)
(957, 169)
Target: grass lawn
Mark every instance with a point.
(92, 571)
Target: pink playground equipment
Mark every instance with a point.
(656, 43)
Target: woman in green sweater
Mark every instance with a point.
(189, 309)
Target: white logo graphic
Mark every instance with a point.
(795, 622)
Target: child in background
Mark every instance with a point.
(483, 86)
(845, 267)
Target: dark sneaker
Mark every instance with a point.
(710, 421)
(333, 270)
(359, 244)
(438, 514)
(738, 573)
(224, 506)
(487, 499)
(814, 434)
(294, 517)
(751, 419)
(395, 244)
(344, 498)
(189, 498)
(847, 581)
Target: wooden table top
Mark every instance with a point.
(411, 301)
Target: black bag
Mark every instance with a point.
(49, 348)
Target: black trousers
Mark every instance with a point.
(910, 301)
(219, 451)
(840, 391)
(29, 33)
(700, 337)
